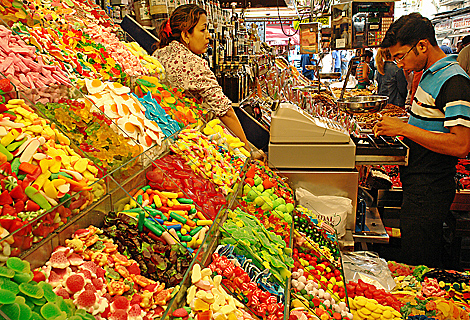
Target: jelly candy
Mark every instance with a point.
(31, 290)
(12, 310)
(50, 311)
(9, 285)
(6, 296)
(18, 265)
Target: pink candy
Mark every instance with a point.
(116, 49)
(23, 67)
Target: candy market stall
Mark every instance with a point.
(121, 202)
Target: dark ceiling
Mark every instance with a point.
(253, 3)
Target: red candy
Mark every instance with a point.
(370, 291)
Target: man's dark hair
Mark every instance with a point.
(367, 53)
(408, 30)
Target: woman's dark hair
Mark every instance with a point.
(184, 18)
(408, 30)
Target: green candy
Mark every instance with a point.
(50, 311)
(9, 285)
(7, 297)
(25, 311)
(290, 207)
(32, 290)
(35, 316)
(12, 310)
(48, 293)
(6, 273)
(251, 195)
(18, 265)
(22, 277)
(37, 197)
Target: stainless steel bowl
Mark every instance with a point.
(362, 104)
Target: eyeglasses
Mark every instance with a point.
(397, 60)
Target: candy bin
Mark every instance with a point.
(217, 154)
(204, 297)
(94, 275)
(26, 68)
(184, 202)
(94, 134)
(269, 198)
(44, 182)
(26, 296)
(317, 283)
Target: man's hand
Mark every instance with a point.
(310, 67)
(389, 126)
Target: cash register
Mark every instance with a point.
(300, 140)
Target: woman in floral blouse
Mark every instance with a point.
(183, 37)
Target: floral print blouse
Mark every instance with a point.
(190, 72)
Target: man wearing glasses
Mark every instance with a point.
(438, 133)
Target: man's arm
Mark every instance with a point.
(454, 100)
(455, 143)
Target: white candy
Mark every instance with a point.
(294, 283)
(342, 305)
(327, 296)
(321, 293)
(336, 308)
(300, 286)
(295, 275)
(301, 272)
(309, 286)
(302, 279)
(326, 303)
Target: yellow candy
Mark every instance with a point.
(81, 165)
(387, 314)
(371, 306)
(365, 311)
(56, 164)
(50, 190)
(200, 305)
(196, 275)
(360, 301)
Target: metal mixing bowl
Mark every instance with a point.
(362, 104)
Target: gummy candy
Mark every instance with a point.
(31, 290)
(12, 310)
(18, 265)
(50, 311)
(6, 296)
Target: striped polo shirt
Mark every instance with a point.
(424, 112)
(441, 101)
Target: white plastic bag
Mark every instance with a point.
(368, 267)
(331, 209)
